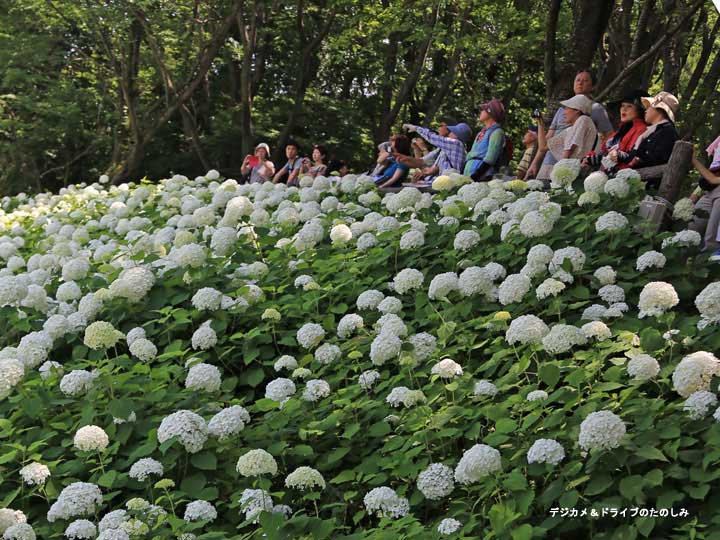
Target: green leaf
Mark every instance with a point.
(345, 476)
(598, 484)
(523, 532)
(121, 408)
(650, 453)
(205, 461)
(631, 486)
(193, 484)
(651, 339)
(549, 374)
(645, 525)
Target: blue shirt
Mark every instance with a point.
(390, 170)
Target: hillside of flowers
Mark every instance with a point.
(203, 360)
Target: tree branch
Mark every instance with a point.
(650, 52)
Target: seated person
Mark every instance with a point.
(258, 168)
(319, 165)
(583, 85)
(571, 143)
(530, 143)
(656, 144)
(451, 143)
(337, 167)
(487, 150)
(632, 126)
(710, 201)
(394, 172)
(290, 171)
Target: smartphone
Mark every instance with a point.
(254, 161)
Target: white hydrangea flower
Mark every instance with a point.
(21, 531)
(708, 304)
(643, 367)
(449, 526)
(526, 329)
(466, 240)
(285, 362)
(315, 390)
(612, 294)
(77, 382)
(385, 502)
(145, 467)
(256, 463)
(594, 313)
(81, 529)
(513, 289)
(475, 280)
(369, 299)
(537, 395)
(391, 324)
(203, 377)
(546, 451)
(476, 463)
(204, 338)
(199, 511)
(447, 369)
(436, 481)
(253, 502)
(549, 287)
(113, 520)
(562, 338)
(683, 209)
(12, 372)
(228, 422)
(143, 349)
(304, 478)
(412, 239)
(10, 517)
(595, 182)
(390, 304)
(564, 173)
(617, 187)
(366, 241)
(91, 439)
(484, 387)
(189, 428)
(113, 534)
(101, 335)
(698, 404)
(77, 499)
(301, 373)
(656, 298)
(133, 284)
(367, 379)
(424, 346)
(386, 346)
(207, 299)
(605, 275)
(597, 330)
(694, 372)
(611, 221)
(601, 430)
(280, 390)
(407, 280)
(349, 324)
(650, 259)
(686, 238)
(310, 335)
(35, 474)
(442, 285)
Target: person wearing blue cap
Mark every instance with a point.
(452, 142)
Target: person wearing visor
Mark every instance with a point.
(485, 156)
(632, 126)
(576, 141)
(258, 167)
(451, 142)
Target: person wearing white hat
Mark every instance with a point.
(575, 141)
(258, 166)
(656, 144)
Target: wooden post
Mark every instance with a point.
(676, 171)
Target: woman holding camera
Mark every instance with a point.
(318, 166)
(258, 166)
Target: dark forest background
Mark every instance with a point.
(137, 88)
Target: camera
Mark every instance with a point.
(537, 114)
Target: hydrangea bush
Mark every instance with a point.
(198, 359)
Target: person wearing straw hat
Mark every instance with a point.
(573, 142)
(258, 166)
(656, 144)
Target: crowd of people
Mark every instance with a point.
(580, 129)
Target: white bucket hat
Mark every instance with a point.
(265, 146)
(665, 101)
(581, 103)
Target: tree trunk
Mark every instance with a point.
(549, 60)
(708, 40)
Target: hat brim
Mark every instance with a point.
(649, 102)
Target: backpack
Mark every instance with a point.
(506, 154)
